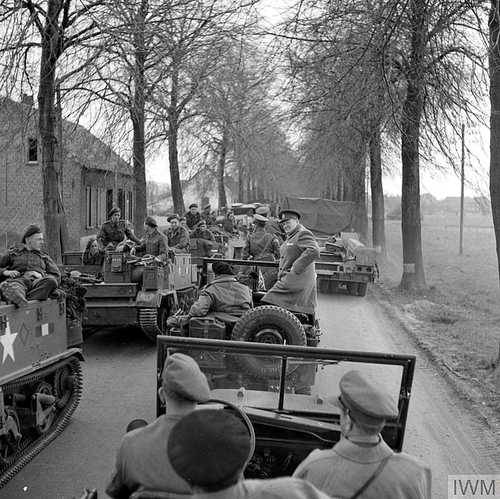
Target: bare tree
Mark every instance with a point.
(60, 32)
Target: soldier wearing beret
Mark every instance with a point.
(142, 461)
(295, 289)
(193, 217)
(178, 236)
(208, 216)
(154, 242)
(115, 230)
(27, 272)
(262, 245)
(361, 463)
(210, 449)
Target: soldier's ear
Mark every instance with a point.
(161, 395)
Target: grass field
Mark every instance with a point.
(458, 318)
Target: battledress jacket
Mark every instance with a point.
(115, 233)
(154, 244)
(262, 245)
(178, 238)
(22, 259)
(224, 298)
(296, 286)
(342, 470)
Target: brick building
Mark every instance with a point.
(94, 177)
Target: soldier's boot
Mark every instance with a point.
(15, 294)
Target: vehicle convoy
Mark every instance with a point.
(117, 296)
(344, 262)
(289, 425)
(40, 380)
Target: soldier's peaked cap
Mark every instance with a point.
(260, 218)
(262, 210)
(369, 402)
(183, 377)
(288, 213)
(113, 211)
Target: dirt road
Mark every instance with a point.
(120, 385)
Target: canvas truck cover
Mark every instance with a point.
(323, 216)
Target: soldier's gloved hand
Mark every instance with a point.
(11, 273)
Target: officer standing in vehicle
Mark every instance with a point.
(262, 245)
(27, 272)
(361, 463)
(210, 448)
(142, 460)
(115, 230)
(295, 289)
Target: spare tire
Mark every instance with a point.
(267, 324)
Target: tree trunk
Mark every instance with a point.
(137, 112)
(413, 278)
(53, 211)
(494, 62)
(221, 166)
(359, 197)
(173, 131)
(377, 192)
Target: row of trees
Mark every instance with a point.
(356, 79)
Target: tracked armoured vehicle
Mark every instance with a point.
(114, 296)
(40, 381)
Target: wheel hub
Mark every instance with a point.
(269, 335)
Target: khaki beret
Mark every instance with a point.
(209, 447)
(183, 377)
(369, 403)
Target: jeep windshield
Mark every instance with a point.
(289, 380)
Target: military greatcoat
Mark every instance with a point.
(296, 286)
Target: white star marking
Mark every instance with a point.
(7, 341)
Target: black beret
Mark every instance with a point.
(151, 222)
(113, 211)
(193, 205)
(209, 447)
(222, 268)
(30, 230)
(172, 217)
(286, 214)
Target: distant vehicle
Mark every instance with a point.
(289, 425)
(40, 381)
(345, 262)
(114, 299)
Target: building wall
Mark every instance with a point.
(88, 164)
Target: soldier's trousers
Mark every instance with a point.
(26, 289)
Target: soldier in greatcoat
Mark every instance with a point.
(295, 289)
(27, 272)
(115, 230)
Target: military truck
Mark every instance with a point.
(40, 380)
(345, 262)
(115, 297)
